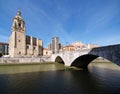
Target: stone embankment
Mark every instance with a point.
(25, 60)
(101, 60)
(36, 60)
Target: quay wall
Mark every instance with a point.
(25, 60)
(37, 60)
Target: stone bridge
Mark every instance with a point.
(82, 58)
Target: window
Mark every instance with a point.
(19, 53)
(34, 41)
(19, 24)
(28, 40)
(15, 25)
(34, 48)
(27, 47)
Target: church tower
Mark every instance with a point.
(17, 44)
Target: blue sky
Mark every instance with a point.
(88, 21)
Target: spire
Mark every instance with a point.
(19, 12)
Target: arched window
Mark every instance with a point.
(15, 25)
(19, 25)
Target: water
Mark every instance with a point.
(101, 78)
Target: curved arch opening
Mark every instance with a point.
(59, 60)
(104, 63)
(83, 61)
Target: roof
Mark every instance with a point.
(77, 43)
(4, 43)
(69, 46)
(45, 48)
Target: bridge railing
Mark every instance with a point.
(83, 50)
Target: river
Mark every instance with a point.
(100, 78)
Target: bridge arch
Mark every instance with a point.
(84, 57)
(83, 61)
(59, 60)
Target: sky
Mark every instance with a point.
(88, 21)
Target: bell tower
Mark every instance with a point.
(17, 44)
(18, 23)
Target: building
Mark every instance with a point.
(78, 46)
(55, 46)
(4, 48)
(46, 52)
(90, 46)
(21, 45)
(68, 48)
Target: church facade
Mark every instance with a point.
(20, 44)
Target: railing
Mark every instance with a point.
(83, 50)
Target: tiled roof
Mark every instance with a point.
(4, 43)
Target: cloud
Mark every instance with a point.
(60, 32)
(4, 34)
(101, 18)
(4, 31)
(107, 40)
(69, 21)
(54, 24)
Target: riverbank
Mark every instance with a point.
(31, 67)
(104, 65)
(25, 60)
(34, 63)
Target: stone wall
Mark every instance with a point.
(25, 60)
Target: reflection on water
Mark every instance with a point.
(107, 75)
(98, 80)
(24, 68)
